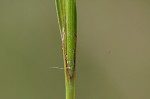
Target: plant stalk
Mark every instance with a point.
(66, 12)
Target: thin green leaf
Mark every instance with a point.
(66, 12)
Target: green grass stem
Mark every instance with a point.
(66, 12)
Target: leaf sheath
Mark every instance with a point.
(66, 12)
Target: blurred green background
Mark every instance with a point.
(113, 52)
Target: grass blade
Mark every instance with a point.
(66, 12)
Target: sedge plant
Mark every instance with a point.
(66, 12)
